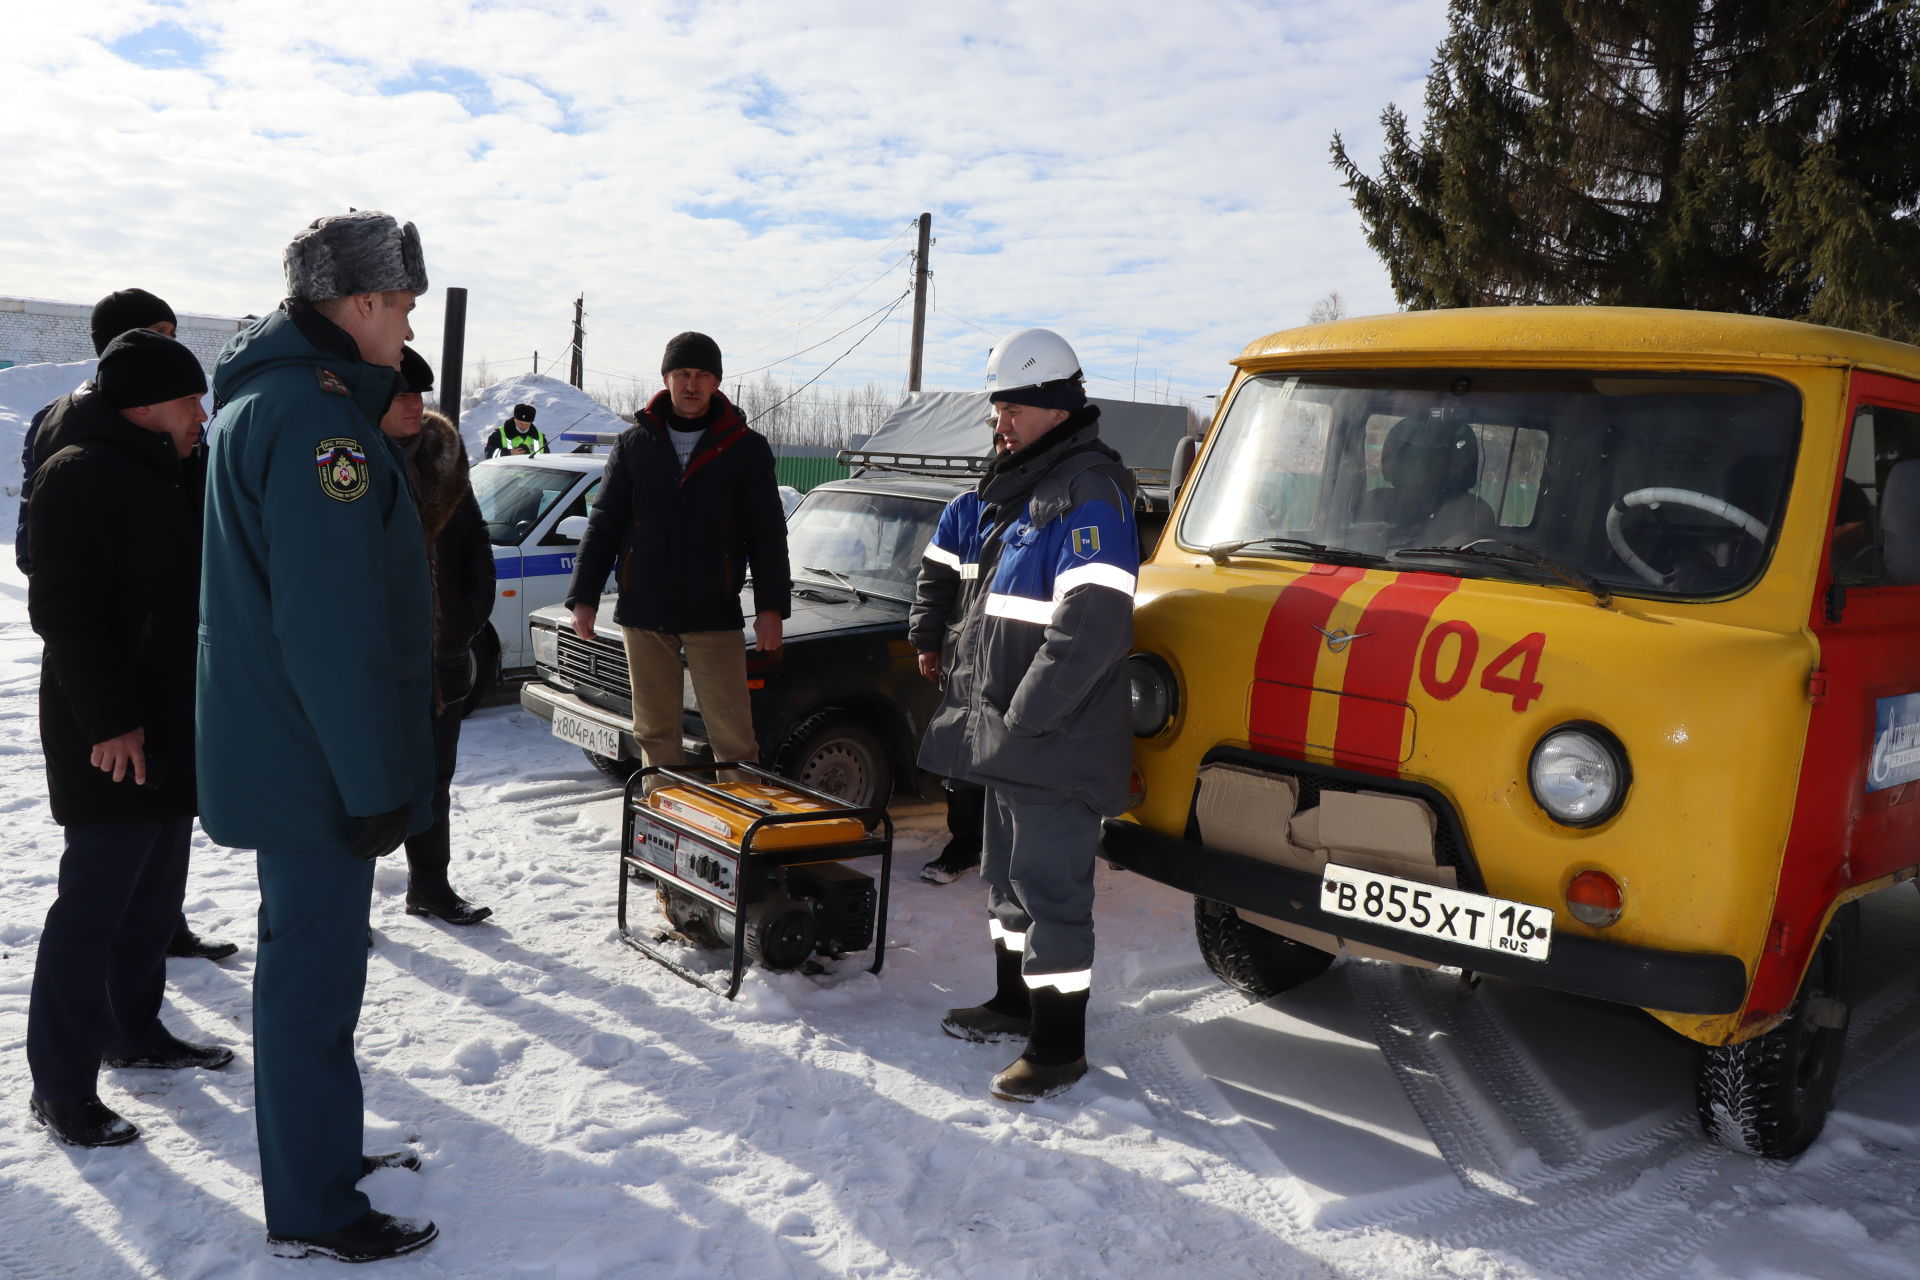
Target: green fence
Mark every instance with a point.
(804, 473)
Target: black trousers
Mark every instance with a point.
(966, 818)
(102, 966)
(430, 852)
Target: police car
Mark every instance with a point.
(536, 513)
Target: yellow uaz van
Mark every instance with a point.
(1577, 646)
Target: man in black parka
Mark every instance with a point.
(115, 592)
(688, 504)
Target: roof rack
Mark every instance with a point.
(923, 464)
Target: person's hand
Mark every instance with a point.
(583, 616)
(766, 631)
(119, 755)
(381, 834)
(520, 449)
(930, 665)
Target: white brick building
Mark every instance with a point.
(35, 331)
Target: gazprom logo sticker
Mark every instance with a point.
(1086, 541)
(1896, 742)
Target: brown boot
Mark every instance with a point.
(1056, 1054)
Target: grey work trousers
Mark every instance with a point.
(1037, 859)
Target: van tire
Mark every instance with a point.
(1769, 1096)
(1249, 958)
(838, 753)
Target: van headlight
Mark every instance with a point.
(1578, 773)
(1155, 696)
(546, 646)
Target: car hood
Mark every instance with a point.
(834, 610)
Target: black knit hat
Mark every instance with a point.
(1069, 394)
(143, 367)
(415, 370)
(125, 309)
(364, 251)
(691, 350)
(524, 412)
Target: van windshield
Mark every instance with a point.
(1649, 485)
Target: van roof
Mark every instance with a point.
(1581, 336)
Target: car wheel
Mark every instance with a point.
(483, 664)
(1249, 958)
(1769, 1096)
(837, 753)
(619, 770)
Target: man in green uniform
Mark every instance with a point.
(315, 696)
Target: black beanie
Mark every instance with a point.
(524, 412)
(415, 371)
(691, 350)
(1069, 394)
(125, 309)
(143, 367)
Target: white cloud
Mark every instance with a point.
(1134, 173)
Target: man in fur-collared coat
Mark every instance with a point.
(460, 563)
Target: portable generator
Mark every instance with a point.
(755, 866)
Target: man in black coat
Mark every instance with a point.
(688, 505)
(460, 567)
(115, 520)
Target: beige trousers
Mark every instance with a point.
(717, 664)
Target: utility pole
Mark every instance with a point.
(920, 274)
(453, 346)
(579, 338)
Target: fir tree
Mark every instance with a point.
(1757, 156)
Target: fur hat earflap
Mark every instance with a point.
(365, 251)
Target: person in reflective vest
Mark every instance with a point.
(517, 435)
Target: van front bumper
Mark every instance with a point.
(1670, 981)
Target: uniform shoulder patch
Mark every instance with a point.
(332, 382)
(1086, 541)
(342, 466)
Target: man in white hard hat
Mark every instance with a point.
(1036, 706)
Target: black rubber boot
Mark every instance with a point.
(368, 1238)
(1008, 1016)
(1056, 1055)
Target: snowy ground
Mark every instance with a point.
(583, 1113)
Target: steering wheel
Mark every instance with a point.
(1680, 498)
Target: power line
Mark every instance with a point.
(836, 360)
(747, 324)
(824, 341)
(754, 348)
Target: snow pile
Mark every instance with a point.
(24, 388)
(558, 406)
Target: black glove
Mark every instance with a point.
(381, 834)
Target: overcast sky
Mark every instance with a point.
(1149, 177)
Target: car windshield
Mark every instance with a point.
(870, 541)
(513, 498)
(1650, 485)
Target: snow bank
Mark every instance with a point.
(24, 388)
(558, 406)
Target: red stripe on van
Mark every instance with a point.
(1380, 662)
(1289, 651)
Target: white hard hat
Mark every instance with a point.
(1028, 358)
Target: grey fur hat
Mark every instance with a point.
(365, 251)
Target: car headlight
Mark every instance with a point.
(546, 646)
(1578, 774)
(1155, 696)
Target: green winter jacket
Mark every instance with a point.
(315, 692)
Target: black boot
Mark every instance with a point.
(1056, 1053)
(965, 812)
(188, 945)
(368, 1238)
(87, 1122)
(173, 1054)
(448, 906)
(1008, 1016)
(389, 1160)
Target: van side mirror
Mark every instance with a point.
(573, 528)
(1900, 523)
(1183, 455)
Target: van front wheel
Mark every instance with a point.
(1769, 1096)
(1249, 958)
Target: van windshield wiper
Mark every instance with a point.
(1515, 554)
(838, 579)
(1220, 551)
